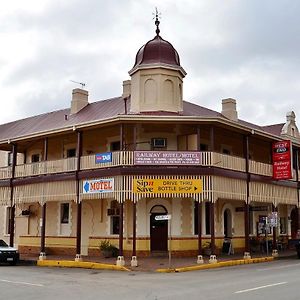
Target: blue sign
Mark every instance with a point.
(103, 157)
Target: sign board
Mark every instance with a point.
(103, 157)
(167, 186)
(166, 158)
(252, 208)
(272, 219)
(162, 217)
(282, 160)
(105, 185)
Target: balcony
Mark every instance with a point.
(126, 158)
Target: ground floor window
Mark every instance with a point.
(114, 212)
(283, 226)
(207, 217)
(196, 217)
(7, 220)
(64, 213)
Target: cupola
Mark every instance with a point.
(157, 77)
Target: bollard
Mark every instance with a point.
(247, 255)
(120, 261)
(42, 256)
(78, 257)
(200, 259)
(134, 262)
(213, 259)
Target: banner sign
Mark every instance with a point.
(167, 186)
(162, 217)
(282, 160)
(105, 185)
(103, 157)
(166, 158)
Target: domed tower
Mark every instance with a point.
(156, 77)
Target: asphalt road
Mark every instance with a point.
(275, 280)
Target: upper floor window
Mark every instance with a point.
(9, 158)
(115, 146)
(35, 158)
(71, 152)
(203, 147)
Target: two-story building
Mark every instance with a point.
(108, 169)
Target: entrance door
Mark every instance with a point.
(158, 230)
(294, 223)
(227, 223)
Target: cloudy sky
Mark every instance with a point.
(244, 49)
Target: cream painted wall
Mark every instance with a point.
(186, 217)
(156, 89)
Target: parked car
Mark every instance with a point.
(8, 254)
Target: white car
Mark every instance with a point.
(8, 254)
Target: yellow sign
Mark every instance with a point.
(167, 186)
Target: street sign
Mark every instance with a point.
(103, 157)
(162, 217)
(105, 185)
(167, 186)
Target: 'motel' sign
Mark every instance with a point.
(103, 157)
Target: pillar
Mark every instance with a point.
(78, 200)
(212, 228)
(44, 211)
(12, 205)
(247, 206)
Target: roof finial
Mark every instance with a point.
(157, 17)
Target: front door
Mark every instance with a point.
(158, 233)
(294, 223)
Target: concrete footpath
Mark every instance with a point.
(151, 264)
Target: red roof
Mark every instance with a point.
(104, 110)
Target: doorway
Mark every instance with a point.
(227, 223)
(158, 229)
(294, 222)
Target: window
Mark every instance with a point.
(35, 158)
(196, 217)
(115, 218)
(250, 221)
(207, 218)
(9, 158)
(226, 151)
(203, 147)
(64, 213)
(115, 146)
(282, 225)
(71, 152)
(8, 220)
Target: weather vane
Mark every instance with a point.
(81, 83)
(157, 16)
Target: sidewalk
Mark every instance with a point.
(152, 264)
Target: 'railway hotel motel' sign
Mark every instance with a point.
(282, 160)
(166, 158)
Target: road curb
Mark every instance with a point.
(79, 264)
(217, 265)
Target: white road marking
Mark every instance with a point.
(21, 282)
(260, 287)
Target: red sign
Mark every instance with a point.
(282, 160)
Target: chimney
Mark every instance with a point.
(126, 88)
(79, 100)
(229, 109)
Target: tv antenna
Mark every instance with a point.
(81, 83)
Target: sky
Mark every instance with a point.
(248, 50)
